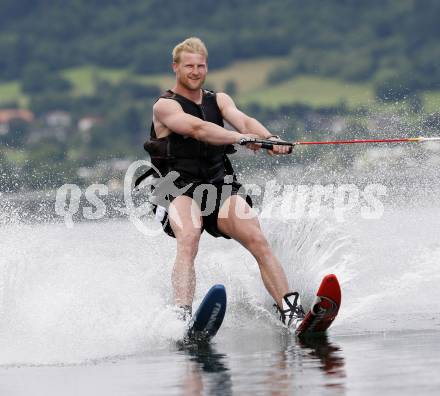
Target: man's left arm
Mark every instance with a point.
(245, 124)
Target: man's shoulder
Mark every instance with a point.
(222, 94)
(166, 95)
(224, 100)
(165, 104)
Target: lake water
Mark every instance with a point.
(86, 310)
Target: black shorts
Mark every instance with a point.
(208, 200)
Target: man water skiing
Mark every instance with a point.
(188, 137)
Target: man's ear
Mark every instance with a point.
(174, 66)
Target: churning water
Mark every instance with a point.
(86, 310)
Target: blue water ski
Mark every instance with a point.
(208, 317)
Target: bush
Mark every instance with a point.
(281, 74)
(138, 91)
(38, 79)
(34, 78)
(18, 132)
(390, 86)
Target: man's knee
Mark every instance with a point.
(256, 243)
(188, 242)
(189, 238)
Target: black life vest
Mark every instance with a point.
(194, 160)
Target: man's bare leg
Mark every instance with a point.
(186, 221)
(248, 232)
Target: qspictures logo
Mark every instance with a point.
(278, 201)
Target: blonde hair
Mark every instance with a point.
(193, 45)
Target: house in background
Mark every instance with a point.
(58, 119)
(56, 124)
(86, 124)
(7, 115)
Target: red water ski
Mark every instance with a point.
(324, 309)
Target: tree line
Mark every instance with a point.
(392, 42)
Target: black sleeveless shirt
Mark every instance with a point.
(195, 161)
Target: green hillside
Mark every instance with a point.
(311, 90)
(392, 43)
(250, 79)
(11, 92)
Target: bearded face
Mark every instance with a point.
(191, 70)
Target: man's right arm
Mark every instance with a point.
(170, 114)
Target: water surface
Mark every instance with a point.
(86, 311)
